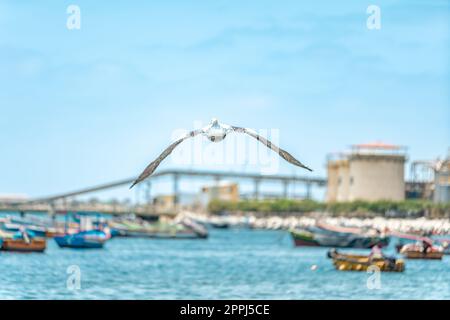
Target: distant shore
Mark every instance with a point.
(422, 225)
(409, 208)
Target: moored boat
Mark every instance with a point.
(354, 262)
(338, 237)
(20, 245)
(92, 239)
(408, 239)
(445, 245)
(14, 227)
(422, 255)
(22, 241)
(185, 229)
(417, 251)
(303, 237)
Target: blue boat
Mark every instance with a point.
(92, 239)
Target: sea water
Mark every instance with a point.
(230, 264)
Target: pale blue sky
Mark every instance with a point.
(89, 106)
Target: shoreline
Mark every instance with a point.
(431, 226)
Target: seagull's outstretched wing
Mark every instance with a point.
(152, 166)
(284, 154)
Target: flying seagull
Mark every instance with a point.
(216, 132)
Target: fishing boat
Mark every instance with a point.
(199, 230)
(22, 241)
(417, 251)
(419, 247)
(14, 227)
(219, 225)
(408, 238)
(445, 243)
(40, 227)
(303, 237)
(160, 230)
(91, 239)
(354, 262)
(333, 236)
(20, 245)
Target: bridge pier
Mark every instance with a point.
(216, 191)
(256, 192)
(285, 189)
(308, 190)
(51, 211)
(176, 196)
(148, 195)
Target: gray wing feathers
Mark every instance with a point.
(152, 166)
(283, 153)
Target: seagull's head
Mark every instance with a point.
(214, 122)
(216, 132)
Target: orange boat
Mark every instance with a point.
(21, 245)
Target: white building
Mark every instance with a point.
(370, 171)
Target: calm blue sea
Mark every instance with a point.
(231, 264)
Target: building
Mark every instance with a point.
(226, 191)
(430, 180)
(164, 203)
(13, 198)
(169, 203)
(371, 171)
(442, 181)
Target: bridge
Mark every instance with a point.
(58, 202)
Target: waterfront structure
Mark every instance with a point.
(442, 181)
(63, 202)
(164, 203)
(370, 171)
(13, 198)
(226, 191)
(430, 180)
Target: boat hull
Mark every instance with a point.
(77, 243)
(303, 239)
(158, 235)
(83, 240)
(20, 245)
(187, 230)
(423, 255)
(352, 262)
(325, 238)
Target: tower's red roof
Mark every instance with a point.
(377, 145)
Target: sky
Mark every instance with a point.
(92, 105)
